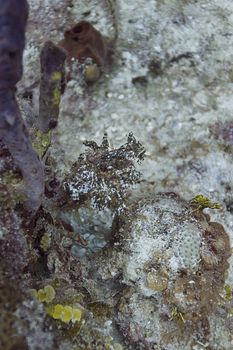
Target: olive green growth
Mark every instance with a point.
(45, 242)
(201, 202)
(56, 82)
(56, 96)
(112, 346)
(56, 76)
(65, 313)
(52, 85)
(41, 142)
(45, 295)
(177, 315)
(228, 292)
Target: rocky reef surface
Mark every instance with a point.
(101, 266)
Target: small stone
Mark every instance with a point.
(91, 73)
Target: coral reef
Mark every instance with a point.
(175, 261)
(97, 266)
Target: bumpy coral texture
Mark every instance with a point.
(175, 259)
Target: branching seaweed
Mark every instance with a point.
(103, 175)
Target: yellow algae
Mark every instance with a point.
(56, 96)
(47, 294)
(201, 202)
(41, 295)
(76, 316)
(67, 314)
(41, 142)
(50, 293)
(57, 312)
(56, 76)
(45, 242)
(228, 292)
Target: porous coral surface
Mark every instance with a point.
(174, 262)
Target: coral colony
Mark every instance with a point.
(84, 265)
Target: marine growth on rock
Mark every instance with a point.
(82, 42)
(175, 261)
